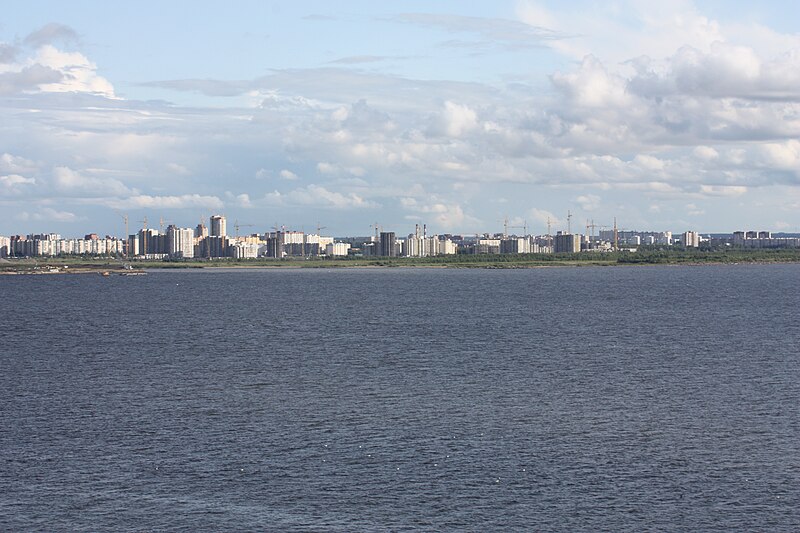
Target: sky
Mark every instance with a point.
(671, 116)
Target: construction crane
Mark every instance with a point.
(145, 237)
(236, 226)
(593, 227)
(377, 231)
(320, 228)
(616, 235)
(569, 222)
(125, 243)
(523, 227)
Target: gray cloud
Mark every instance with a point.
(28, 78)
(509, 33)
(354, 60)
(316, 16)
(8, 53)
(52, 33)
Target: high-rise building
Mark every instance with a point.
(690, 239)
(388, 244)
(566, 243)
(180, 242)
(337, 248)
(218, 226)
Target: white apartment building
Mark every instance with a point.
(340, 249)
(690, 239)
(180, 242)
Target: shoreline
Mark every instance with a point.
(68, 267)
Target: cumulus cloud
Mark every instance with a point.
(30, 78)
(543, 218)
(722, 190)
(456, 120)
(693, 210)
(316, 195)
(180, 170)
(71, 182)
(183, 201)
(705, 153)
(78, 74)
(14, 184)
(785, 155)
(439, 215)
(588, 202)
(12, 163)
(592, 85)
(48, 214)
(8, 53)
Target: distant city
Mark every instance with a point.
(215, 242)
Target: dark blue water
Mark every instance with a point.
(559, 399)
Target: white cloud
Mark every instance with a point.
(71, 182)
(693, 210)
(722, 190)
(445, 216)
(784, 155)
(11, 163)
(180, 170)
(543, 217)
(326, 168)
(288, 175)
(183, 201)
(79, 74)
(48, 214)
(316, 195)
(588, 202)
(12, 183)
(593, 86)
(647, 28)
(705, 153)
(456, 119)
(244, 200)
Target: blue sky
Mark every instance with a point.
(671, 117)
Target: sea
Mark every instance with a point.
(402, 399)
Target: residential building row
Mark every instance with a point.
(214, 242)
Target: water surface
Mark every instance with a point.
(557, 399)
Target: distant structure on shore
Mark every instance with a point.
(214, 242)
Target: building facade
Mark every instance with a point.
(218, 226)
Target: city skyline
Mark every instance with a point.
(679, 117)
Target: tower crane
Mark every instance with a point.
(593, 227)
(377, 231)
(236, 226)
(145, 239)
(125, 242)
(523, 227)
